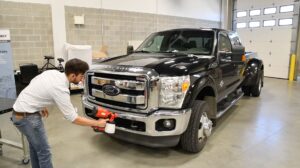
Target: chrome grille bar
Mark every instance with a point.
(138, 100)
(122, 84)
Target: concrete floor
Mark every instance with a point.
(258, 132)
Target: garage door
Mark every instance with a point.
(265, 27)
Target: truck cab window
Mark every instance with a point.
(197, 42)
(154, 44)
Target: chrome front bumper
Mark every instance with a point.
(180, 116)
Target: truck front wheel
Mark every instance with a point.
(199, 128)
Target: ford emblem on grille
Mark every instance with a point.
(111, 90)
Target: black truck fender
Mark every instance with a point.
(202, 88)
(254, 69)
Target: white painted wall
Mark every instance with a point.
(145, 6)
(201, 9)
(31, 1)
(83, 3)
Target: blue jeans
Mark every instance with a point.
(33, 128)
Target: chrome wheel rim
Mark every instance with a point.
(259, 85)
(201, 135)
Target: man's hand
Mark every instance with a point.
(90, 122)
(45, 112)
(102, 122)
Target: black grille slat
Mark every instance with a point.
(115, 103)
(114, 76)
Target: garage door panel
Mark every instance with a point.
(273, 70)
(261, 4)
(282, 34)
(244, 35)
(281, 53)
(277, 72)
(281, 2)
(262, 35)
(243, 5)
(272, 44)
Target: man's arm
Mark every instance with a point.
(61, 96)
(89, 122)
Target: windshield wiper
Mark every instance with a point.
(172, 52)
(142, 51)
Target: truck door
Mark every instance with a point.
(228, 69)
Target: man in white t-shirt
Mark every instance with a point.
(50, 87)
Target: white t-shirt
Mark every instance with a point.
(46, 89)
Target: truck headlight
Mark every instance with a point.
(173, 91)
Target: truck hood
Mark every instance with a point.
(169, 64)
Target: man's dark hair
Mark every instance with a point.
(76, 66)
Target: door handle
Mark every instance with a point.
(227, 59)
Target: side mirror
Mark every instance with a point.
(129, 49)
(225, 57)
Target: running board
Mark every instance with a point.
(220, 113)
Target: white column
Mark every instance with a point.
(59, 29)
(226, 14)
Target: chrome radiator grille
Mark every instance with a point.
(124, 90)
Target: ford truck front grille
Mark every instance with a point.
(124, 90)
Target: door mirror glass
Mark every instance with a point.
(224, 44)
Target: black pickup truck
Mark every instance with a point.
(172, 89)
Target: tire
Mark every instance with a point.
(246, 90)
(256, 89)
(189, 139)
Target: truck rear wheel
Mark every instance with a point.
(256, 89)
(246, 90)
(199, 128)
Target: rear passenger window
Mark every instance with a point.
(224, 43)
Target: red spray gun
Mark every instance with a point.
(102, 113)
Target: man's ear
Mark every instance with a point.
(72, 75)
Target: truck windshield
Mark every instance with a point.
(197, 42)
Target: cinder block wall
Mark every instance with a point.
(31, 31)
(115, 28)
(31, 28)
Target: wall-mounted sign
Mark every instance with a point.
(7, 80)
(4, 35)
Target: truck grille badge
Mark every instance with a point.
(111, 90)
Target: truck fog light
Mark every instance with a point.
(168, 123)
(165, 125)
